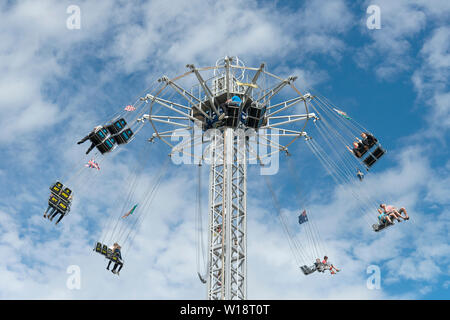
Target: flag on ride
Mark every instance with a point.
(129, 212)
(253, 85)
(92, 164)
(342, 113)
(302, 218)
(129, 108)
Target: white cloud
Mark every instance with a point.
(431, 80)
(162, 262)
(394, 49)
(401, 23)
(38, 50)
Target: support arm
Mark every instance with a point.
(250, 88)
(204, 87)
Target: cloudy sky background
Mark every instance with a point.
(56, 84)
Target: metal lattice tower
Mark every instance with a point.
(227, 218)
(234, 135)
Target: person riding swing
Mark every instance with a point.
(329, 266)
(89, 136)
(358, 149)
(116, 252)
(392, 212)
(368, 140)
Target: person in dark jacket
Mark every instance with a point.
(116, 251)
(358, 149)
(368, 140)
(89, 136)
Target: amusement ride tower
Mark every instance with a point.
(239, 115)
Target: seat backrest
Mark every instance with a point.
(378, 152)
(117, 126)
(127, 134)
(253, 117)
(53, 201)
(66, 193)
(120, 124)
(232, 112)
(370, 160)
(63, 206)
(102, 134)
(107, 146)
(124, 136)
(56, 188)
(374, 156)
(99, 136)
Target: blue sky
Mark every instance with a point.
(58, 83)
